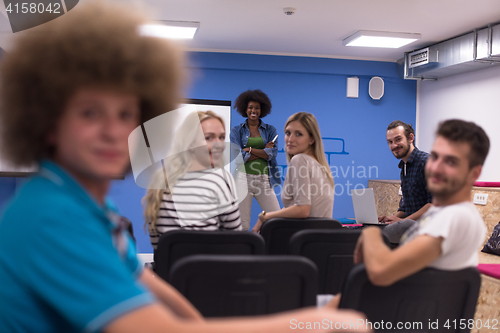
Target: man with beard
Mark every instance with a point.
(416, 199)
(450, 232)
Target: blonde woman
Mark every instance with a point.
(309, 188)
(197, 193)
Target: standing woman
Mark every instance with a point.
(309, 188)
(258, 172)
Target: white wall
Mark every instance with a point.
(471, 96)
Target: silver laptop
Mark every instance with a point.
(365, 211)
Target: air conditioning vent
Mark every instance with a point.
(422, 57)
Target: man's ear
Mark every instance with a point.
(412, 138)
(474, 173)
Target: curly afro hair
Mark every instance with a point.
(248, 96)
(96, 46)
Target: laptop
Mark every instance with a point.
(365, 211)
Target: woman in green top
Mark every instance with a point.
(257, 142)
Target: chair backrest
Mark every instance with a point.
(331, 251)
(176, 244)
(430, 296)
(278, 231)
(221, 286)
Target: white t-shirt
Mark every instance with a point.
(462, 229)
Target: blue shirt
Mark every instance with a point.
(66, 264)
(239, 138)
(413, 183)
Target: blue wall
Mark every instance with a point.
(294, 84)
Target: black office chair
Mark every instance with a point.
(331, 251)
(425, 297)
(278, 231)
(222, 286)
(177, 244)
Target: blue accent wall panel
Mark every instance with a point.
(318, 86)
(294, 84)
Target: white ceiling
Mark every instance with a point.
(318, 26)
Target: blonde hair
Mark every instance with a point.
(175, 166)
(310, 123)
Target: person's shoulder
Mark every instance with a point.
(216, 175)
(40, 192)
(237, 127)
(298, 157)
(267, 125)
(422, 155)
(40, 200)
(464, 210)
(301, 159)
(460, 213)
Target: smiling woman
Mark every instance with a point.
(257, 173)
(308, 190)
(193, 191)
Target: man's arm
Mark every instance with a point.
(156, 318)
(235, 139)
(385, 266)
(169, 296)
(400, 215)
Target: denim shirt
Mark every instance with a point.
(239, 136)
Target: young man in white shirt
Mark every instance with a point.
(450, 233)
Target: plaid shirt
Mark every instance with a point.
(413, 183)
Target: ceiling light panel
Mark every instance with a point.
(170, 29)
(383, 39)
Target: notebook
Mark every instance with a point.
(365, 211)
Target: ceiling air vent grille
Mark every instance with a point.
(421, 57)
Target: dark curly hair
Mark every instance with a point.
(248, 96)
(457, 130)
(407, 127)
(95, 45)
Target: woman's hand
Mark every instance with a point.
(270, 144)
(247, 150)
(257, 226)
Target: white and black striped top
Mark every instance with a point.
(201, 200)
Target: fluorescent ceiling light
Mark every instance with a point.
(380, 39)
(170, 29)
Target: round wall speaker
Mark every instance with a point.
(376, 87)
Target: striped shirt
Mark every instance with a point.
(201, 200)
